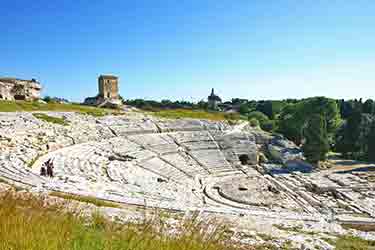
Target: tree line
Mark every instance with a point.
(320, 125)
(317, 124)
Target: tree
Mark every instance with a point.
(326, 107)
(244, 109)
(266, 108)
(294, 117)
(259, 116)
(291, 122)
(269, 125)
(316, 146)
(47, 99)
(369, 107)
(370, 152)
(347, 137)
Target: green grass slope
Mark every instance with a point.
(8, 106)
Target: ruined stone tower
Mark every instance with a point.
(108, 95)
(108, 87)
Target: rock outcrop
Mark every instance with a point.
(16, 89)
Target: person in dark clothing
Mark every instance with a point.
(43, 171)
(49, 165)
(49, 170)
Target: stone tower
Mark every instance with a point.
(108, 87)
(213, 101)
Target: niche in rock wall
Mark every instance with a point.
(20, 97)
(244, 159)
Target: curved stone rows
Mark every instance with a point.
(175, 164)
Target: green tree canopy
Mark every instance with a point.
(294, 117)
(259, 116)
(315, 147)
(370, 149)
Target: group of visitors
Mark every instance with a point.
(47, 168)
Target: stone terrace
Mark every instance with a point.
(177, 164)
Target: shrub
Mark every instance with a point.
(231, 116)
(254, 122)
(259, 116)
(269, 126)
(47, 99)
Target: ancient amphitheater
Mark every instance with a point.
(181, 165)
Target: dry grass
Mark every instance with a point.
(360, 227)
(195, 114)
(86, 199)
(353, 243)
(29, 224)
(8, 106)
(51, 119)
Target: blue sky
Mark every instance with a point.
(173, 49)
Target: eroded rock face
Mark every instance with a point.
(15, 89)
(284, 151)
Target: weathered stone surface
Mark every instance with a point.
(16, 89)
(283, 151)
(186, 165)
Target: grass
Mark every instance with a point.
(31, 223)
(352, 243)
(8, 106)
(26, 223)
(195, 114)
(360, 227)
(266, 237)
(87, 199)
(32, 161)
(4, 181)
(51, 119)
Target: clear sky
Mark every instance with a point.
(176, 49)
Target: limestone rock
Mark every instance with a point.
(16, 89)
(283, 151)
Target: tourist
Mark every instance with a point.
(49, 165)
(43, 171)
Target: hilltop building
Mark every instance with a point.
(16, 89)
(108, 96)
(213, 101)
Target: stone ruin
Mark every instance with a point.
(181, 165)
(108, 95)
(16, 89)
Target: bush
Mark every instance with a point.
(269, 126)
(254, 122)
(259, 116)
(47, 99)
(231, 116)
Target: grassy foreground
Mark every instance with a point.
(30, 223)
(8, 106)
(27, 224)
(195, 114)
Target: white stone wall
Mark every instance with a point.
(12, 87)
